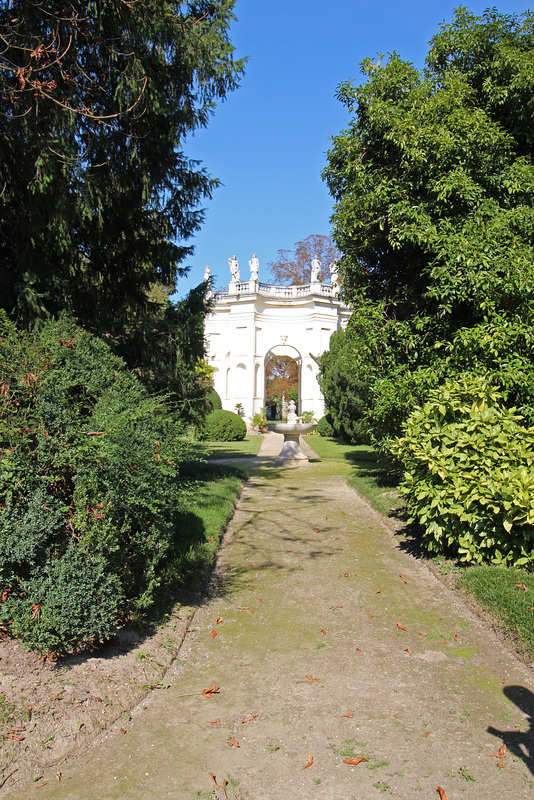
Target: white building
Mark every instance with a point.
(253, 322)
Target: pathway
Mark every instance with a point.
(322, 641)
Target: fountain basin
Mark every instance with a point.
(291, 450)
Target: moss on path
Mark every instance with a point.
(322, 638)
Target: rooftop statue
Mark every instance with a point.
(315, 269)
(234, 269)
(254, 265)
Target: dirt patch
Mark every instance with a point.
(52, 711)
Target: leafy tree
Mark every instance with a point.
(281, 377)
(292, 267)
(433, 182)
(96, 194)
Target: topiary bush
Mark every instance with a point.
(223, 426)
(90, 488)
(325, 427)
(214, 401)
(468, 477)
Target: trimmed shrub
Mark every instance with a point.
(214, 401)
(223, 426)
(325, 427)
(90, 487)
(468, 477)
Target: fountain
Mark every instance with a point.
(292, 429)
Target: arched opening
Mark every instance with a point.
(281, 385)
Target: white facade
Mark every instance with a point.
(253, 321)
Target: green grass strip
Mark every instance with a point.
(508, 594)
(249, 446)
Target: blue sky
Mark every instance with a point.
(267, 142)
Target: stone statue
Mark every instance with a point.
(292, 411)
(334, 275)
(234, 269)
(315, 268)
(207, 274)
(254, 265)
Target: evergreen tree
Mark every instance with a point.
(96, 194)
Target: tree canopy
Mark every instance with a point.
(292, 267)
(433, 182)
(97, 197)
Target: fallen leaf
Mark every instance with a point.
(324, 632)
(442, 793)
(521, 586)
(346, 575)
(501, 751)
(213, 779)
(378, 591)
(317, 530)
(349, 715)
(218, 620)
(213, 721)
(123, 730)
(213, 634)
(243, 608)
(407, 650)
(354, 761)
(427, 734)
(249, 718)
(309, 762)
(444, 641)
(370, 616)
(422, 634)
(455, 636)
(234, 742)
(501, 765)
(224, 783)
(400, 627)
(314, 680)
(211, 691)
(404, 578)
(58, 776)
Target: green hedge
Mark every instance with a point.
(222, 426)
(90, 487)
(468, 477)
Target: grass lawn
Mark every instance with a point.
(508, 594)
(368, 476)
(248, 447)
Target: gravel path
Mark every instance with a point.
(321, 642)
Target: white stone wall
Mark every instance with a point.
(252, 321)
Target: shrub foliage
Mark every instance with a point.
(223, 426)
(468, 474)
(90, 487)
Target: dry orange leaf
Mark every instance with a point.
(123, 730)
(422, 634)
(521, 586)
(407, 650)
(211, 691)
(358, 650)
(404, 578)
(243, 608)
(501, 752)
(314, 680)
(354, 761)
(324, 632)
(370, 616)
(317, 530)
(442, 794)
(346, 575)
(378, 591)
(213, 779)
(427, 734)
(249, 718)
(349, 715)
(218, 620)
(213, 634)
(400, 627)
(213, 721)
(309, 762)
(234, 742)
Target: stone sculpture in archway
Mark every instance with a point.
(252, 321)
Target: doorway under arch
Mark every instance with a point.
(282, 370)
